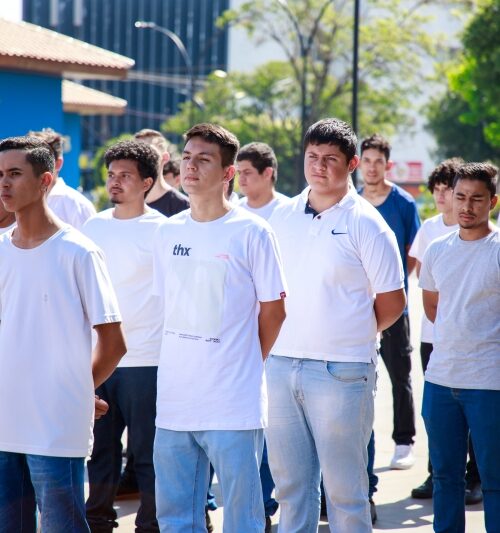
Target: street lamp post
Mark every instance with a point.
(184, 53)
(355, 63)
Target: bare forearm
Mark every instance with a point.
(108, 351)
(270, 322)
(388, 307)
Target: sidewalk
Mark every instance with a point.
(397, 512)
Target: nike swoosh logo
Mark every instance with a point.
(339, 232)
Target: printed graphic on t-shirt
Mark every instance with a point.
(201, 282)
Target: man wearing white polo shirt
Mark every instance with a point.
(346, 283)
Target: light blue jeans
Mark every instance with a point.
(320, 421)
(54, 483)
(182, 459)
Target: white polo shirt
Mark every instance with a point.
(334, 264)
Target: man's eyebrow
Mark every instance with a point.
(199, 153)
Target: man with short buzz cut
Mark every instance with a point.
(219, 271)
(346, 283)
(440, 184)
(54, 288)
(162, 197)
(460, 278)
(66, 202)
(125, 233)
(400, 212)
(257, 176)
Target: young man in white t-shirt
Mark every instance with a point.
(346, 283)
(219, 271)
(125, 233)
(66, 202)
(54, 288)
(460, 278)
(441, 186)
(257, 175)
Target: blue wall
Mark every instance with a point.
(30, 101)
(71, 170)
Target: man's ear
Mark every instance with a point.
(165, 158)
(229, 173)
(494, 200)
(353, 163)
(46, 180)
(268, 173)
(59, 164)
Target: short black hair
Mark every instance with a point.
(54, 139)
(38, 153)
(261, 156)
(444, 173)
(485, 172)
(377, 142)
(333, 131)
(215, 134)
(146, 157)
(172, 166)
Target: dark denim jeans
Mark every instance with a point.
(471, 473)
(131, 395)
(266, 480)
(395, 349)
(55, 484)
(449, 414)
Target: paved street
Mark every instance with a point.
(397, 512)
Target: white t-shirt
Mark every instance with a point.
(212, 276)
(334, 264)
(50, 297)
(266, 210)
(128, 249)
(69, 204)
(466, 274)
(431, 229)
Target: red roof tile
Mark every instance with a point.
(25, 46)
(86, 101)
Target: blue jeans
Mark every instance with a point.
(266, 479)
(182, 459)
(449, 414)
(372, 477)
(320, 418)
(55, 484)
(131, 395)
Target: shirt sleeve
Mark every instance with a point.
(267, 268)
(419, 244)
(382, 263)
(96, 290)
(426, 280)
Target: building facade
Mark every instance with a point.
(160, 81)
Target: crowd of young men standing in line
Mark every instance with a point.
(202, 308)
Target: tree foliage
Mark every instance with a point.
(466, 119)
(316, 38)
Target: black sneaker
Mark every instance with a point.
(269, 525)
(473, 493)
(373, 511)
(208, 522)
(424, 491)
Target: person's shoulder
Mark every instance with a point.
(178, 197)
(72, 194)
(286, 207)
(74, 240)
(153, 216)
(402, 195)
(98, 219)
(444, 241)
(242, 202)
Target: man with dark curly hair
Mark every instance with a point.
(125, 233)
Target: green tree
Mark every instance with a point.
(316, 38)
(466, 119)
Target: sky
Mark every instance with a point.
(11, 9)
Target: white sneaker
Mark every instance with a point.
(403, 457)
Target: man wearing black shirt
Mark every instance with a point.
(162, 197)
